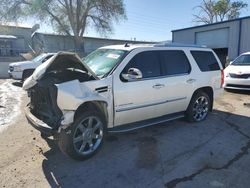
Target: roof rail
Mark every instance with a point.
(174, 44)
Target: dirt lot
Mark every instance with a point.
(214, 153)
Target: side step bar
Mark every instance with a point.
(146, 123)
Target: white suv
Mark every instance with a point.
(120, 88)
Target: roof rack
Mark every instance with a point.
(174, 44)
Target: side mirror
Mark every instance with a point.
(133, 74)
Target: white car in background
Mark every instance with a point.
(237, 74)
(22, 70)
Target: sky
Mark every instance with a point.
(152, 20)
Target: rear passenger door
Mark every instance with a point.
(175, 88)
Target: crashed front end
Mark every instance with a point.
(62, 72)
(43, 106)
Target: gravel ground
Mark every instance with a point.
(10, 102)
(213, 153)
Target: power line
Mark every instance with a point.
(145, 29)
(152, 18)
(152, 24)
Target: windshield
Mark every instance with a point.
(39, 58)
(102, 61)
(242, 60)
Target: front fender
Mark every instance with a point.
(72, 94)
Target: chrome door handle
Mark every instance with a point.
(190, 81)
(158, 86)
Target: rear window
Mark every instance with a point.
(174, 62)
(205, 60)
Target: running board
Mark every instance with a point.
(146, 123)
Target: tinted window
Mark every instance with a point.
(147, 62)
(205, 60)
(174, 62)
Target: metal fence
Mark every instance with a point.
(10, 52)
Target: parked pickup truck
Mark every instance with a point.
(23, 69)
(120, 88)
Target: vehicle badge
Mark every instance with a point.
(239, 73)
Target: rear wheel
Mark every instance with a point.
(85, 137)
(199, 107)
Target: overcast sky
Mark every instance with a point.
(152, 20)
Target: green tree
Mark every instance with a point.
(71, 17)
(211, 11)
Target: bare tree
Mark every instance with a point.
(211, 11)
(206, 12)
(70, 17)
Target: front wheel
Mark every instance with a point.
(199, 107)
(85, 137)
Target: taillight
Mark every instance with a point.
(222, 78)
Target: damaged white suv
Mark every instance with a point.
(120, 88)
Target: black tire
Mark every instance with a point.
(67, 138)
(198, 107)
(26, 74)
(44, 136)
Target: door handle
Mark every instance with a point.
(158, 86)
(190, 81)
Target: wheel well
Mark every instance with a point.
(99, 106)
(209, 91)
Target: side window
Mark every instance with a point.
(46, 58)
(174, 62)
(147, 62)
(205, 60)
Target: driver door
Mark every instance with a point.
(134, 99)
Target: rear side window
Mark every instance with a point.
(174, 62)
(147, 62)
(205, 60)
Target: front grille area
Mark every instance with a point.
(239, 86)
(242, 76)
(11, 68)
(43, 105)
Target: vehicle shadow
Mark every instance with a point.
(131, 159)
(235, 91)
(17, 83)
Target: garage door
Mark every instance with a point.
(214, 38)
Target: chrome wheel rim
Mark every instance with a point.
(88, 135)
(200, 108)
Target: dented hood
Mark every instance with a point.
(57, 58)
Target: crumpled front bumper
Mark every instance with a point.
(38, 124)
